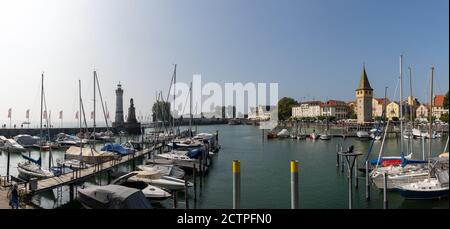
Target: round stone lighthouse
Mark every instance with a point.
(119, 106)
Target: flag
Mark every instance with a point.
(60, 114)
(50, 115)
(45, 115)
(125, 117)
(9, 112)
(107, 115)
(27, 115)
(92, 115)
(76, 115)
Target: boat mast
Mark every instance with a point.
(95, 76)
(410, 142)
(101, 100)
(190, 110)
(401, 104)
(79, 117)
(174, 96)
(430, 115)
(42, 101)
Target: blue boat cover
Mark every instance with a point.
(116, 148)
(195, 153)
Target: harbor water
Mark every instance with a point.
(265, 174)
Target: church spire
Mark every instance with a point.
(364, 81)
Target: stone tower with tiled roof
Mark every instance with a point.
(364, 95)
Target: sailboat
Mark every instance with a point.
(80, 155)
(432, 187)
(33, 168)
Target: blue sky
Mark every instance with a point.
(312, 48)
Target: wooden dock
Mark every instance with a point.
(75, 177)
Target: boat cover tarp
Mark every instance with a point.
(442, 176)
(116, 148)
(115, 197)
(195, 153)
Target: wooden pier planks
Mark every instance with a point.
(69, 178)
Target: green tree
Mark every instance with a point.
(446, 101)
(161, 111)
(285, 108)
(444, 117)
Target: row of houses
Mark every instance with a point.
(344, 110)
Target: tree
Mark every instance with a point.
(161, 111)
(285, 108)
(446, 101)
(444, 117)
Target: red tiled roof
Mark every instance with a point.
(334, 103)
(381, 100)
(439, 101)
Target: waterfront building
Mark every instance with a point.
(393, 110)
(378, 106)
(310, 109)
(261, 113)
(438, 106)
(335, 108)
(364, 95)
(422, 111)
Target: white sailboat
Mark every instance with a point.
(32, 168)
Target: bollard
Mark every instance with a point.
(200, 166)
(385, 201)
(356, 174)
(294, 184)
(186, 192)
(367, 181)
(236, 184)
(195, 182)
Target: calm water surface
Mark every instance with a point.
(265, 174)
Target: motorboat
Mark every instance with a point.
(271, 135)
(158, 179)
(284, 133)
(166, 170)
(10, 145)
(26, 140)
(313, 136)
(363, 135)
(66, 140)
(150, 192)
(325, 136)
(301, 136)
(112, 197)
(72, 164)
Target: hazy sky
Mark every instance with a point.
(312, 48)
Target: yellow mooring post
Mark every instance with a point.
(236, 184)
(294, 184)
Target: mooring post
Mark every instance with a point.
(71, 192)
(294, 184)
(356, 174)
(337, 155)
(186, 192)
(7, 166)
(367, 181)
(174, 195)
(201, 173)
(385, 201)
(342, 161)
(236, 184)
(195, 182)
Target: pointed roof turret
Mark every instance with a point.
(364, 81)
